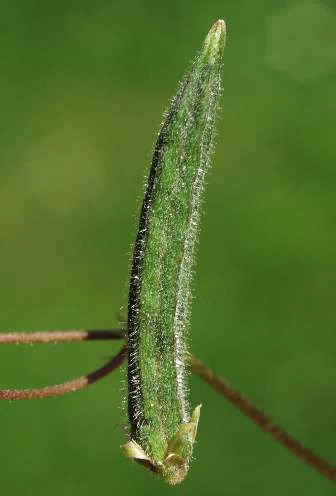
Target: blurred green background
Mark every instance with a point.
(83, 88)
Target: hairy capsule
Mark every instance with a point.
(162, 429)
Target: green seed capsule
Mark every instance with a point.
(162, 430)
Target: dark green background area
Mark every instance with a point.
(83, 88)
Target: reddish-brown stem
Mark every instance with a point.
(217, 383)
(263, 421)
(66, 387)
(59, 336)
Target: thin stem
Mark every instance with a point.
(59, 336)
(69, 386)
(262, 420)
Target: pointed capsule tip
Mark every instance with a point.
(215, 41)
(219, 28)
(220, 23)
